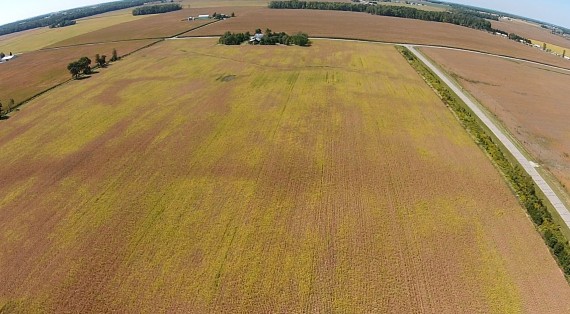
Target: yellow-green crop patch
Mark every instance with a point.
(194, 177)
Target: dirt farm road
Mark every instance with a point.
(527, 164)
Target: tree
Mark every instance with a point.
(74, 69)
(543, 46)
(2, 55)
(299, 39)
(114, 57)
(103, 61)
(11, 104)
(233, 14)
(85, 65)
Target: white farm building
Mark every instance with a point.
(7, 58)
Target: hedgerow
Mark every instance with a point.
(518, 179)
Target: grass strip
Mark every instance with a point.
(519, 181)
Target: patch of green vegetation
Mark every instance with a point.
(518, 179)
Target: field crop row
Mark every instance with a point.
(259, 179)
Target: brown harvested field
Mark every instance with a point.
(37, 71)
(231, 3)
(531, 101)
(365, 26)
(223, 3)
(260, 179)
(155, 26)
(531, 31)
(35, 39)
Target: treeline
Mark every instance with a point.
(512, 36)
(73, 14)
(469, 10)
(463, 18)
(155, 9)
(518, 179)
(63, 23)
(266, 38)
(229, 38)
(83, 65)
(515, 37)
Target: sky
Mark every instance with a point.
(552, 11)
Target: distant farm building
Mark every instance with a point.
(199, 17)
(255, 39)
(7, 58)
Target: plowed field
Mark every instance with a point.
(201, 178)
(365, 26)
(36, 39)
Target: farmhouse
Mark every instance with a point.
(255, 39)
(199, 17)
(7, 58)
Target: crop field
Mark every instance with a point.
(36, 39)
(223, 3)
(531, 101)
(559, 50)
(153, 26)
(426, 7)
(531, 31)
(199, 178)
(37, 71)
(365, 26)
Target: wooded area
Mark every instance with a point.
(155, 9)
(462, 18)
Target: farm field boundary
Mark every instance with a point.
(450, 48)
(542, 166)
(521, 180)
(127, 40)
(27, 100)
(204, 161)
(349, 39)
